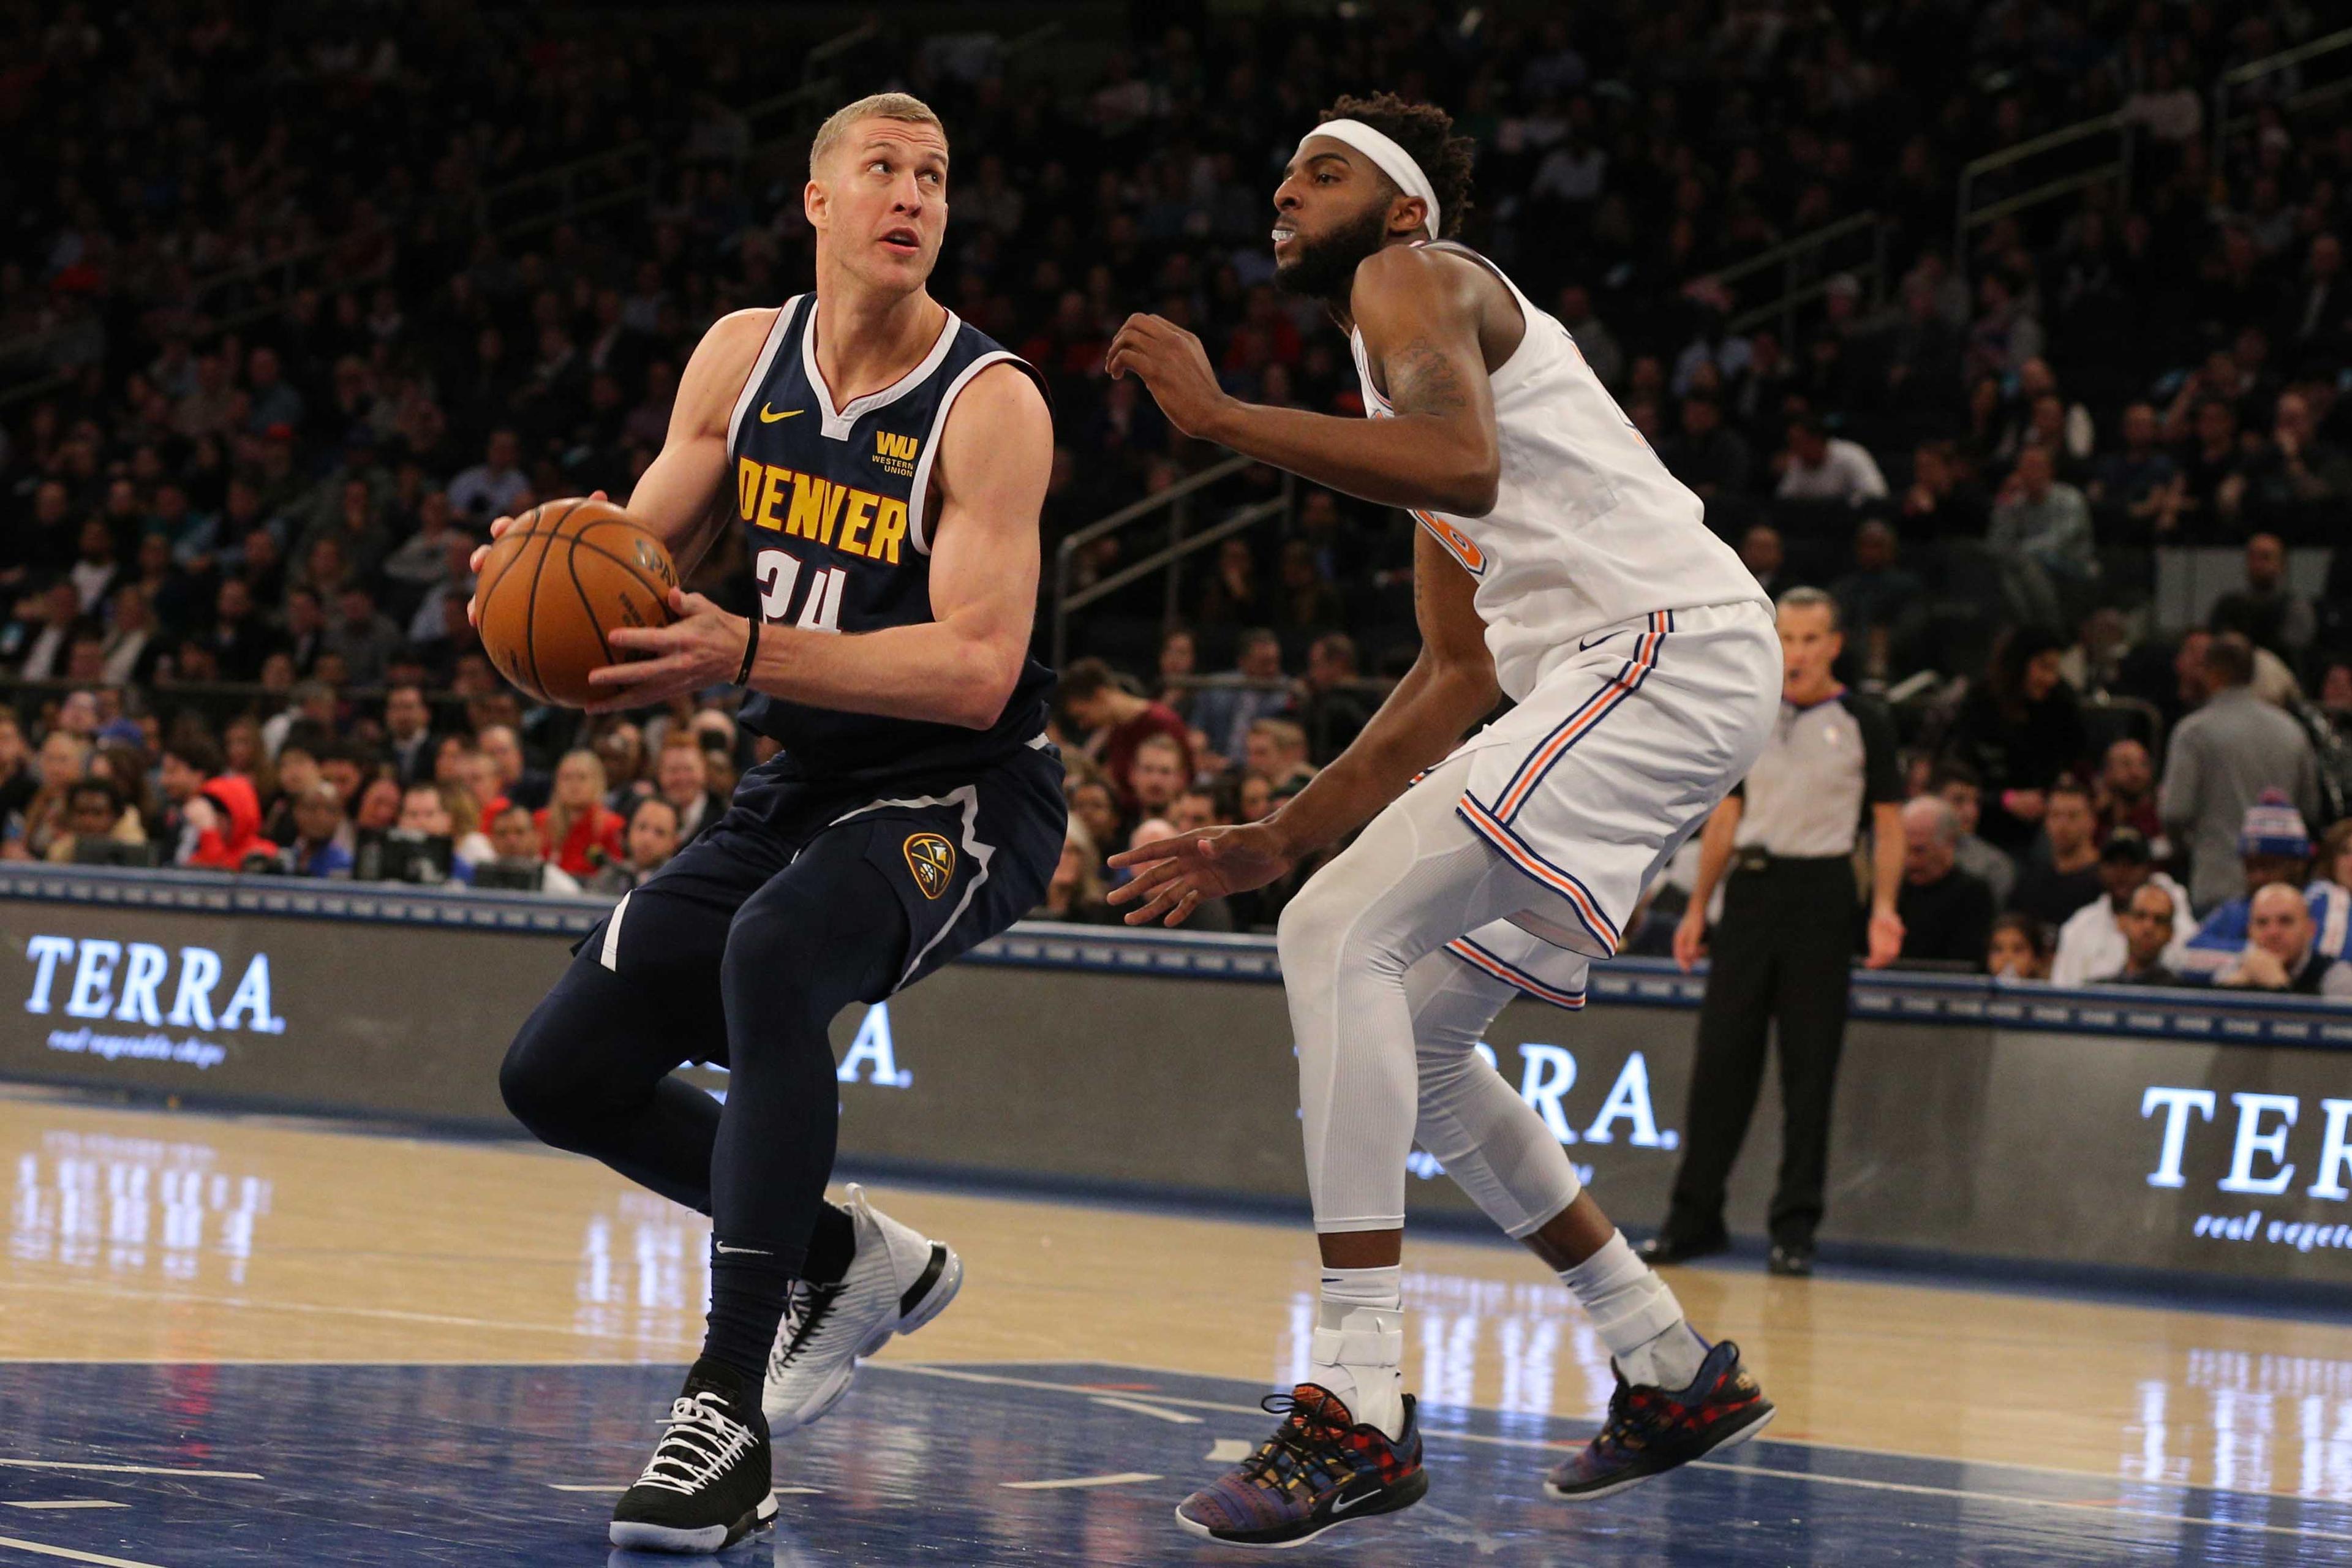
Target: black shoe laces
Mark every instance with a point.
(806, 1306)
(1307, 1435)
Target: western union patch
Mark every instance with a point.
(933, 860)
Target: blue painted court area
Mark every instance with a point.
(187, 1466)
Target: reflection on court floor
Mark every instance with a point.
(228, 1339)
(194, 1466)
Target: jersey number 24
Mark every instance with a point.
(779, 572)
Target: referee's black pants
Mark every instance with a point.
(1780, 953)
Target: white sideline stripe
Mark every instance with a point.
(2092, 1505)
(129, 1469)
(1154, 1411)
(1124, 1477)
(70, 1503)
(11, 1543)
(590, 1487)
(1228, 1451)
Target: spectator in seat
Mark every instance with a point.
(1706, 455)
(491, 487)
(649, 841)
(1276, 752)
(2296, 469)
(18, 782)
(224, 818)
(682, 777)
(1947, 913)
(323, 843)
(1957, 786)
(378, 807)
(1817, 465)
(1157, 774)
(2140, 479)
(1224, 713)
(189, 759)
(1119, 721)
(94, 813)
(2149, 927)
(2330, 894)
(2280, 955)
(1331, 714)
(1074, 892)
(408, 734)
(1194, 810)
(2041, 534)
(579, 831)
(2018, 949)
(1762, 551)
(2222, 761)
(2052, 890)
(2126, 794)
(2093, 940)
(2020, 729)
(1180, 657)
(2266, 611)
(514, 840)
(517, 782)
(1880, 605)
(2273, 850)
(1945, 501)
(1095, 809)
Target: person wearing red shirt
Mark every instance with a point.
(579, 833)
(1120, 721)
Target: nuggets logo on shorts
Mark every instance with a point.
(933, 860)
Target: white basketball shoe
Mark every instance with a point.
(899, 1281)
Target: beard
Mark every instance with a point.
(1326, 269)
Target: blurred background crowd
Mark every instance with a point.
(2022, 328)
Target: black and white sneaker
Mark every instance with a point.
(897, 1280)
(709, 1485)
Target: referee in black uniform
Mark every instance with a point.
(1786, 942)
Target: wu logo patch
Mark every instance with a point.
(933, 860)
(895, 453)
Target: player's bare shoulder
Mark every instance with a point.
(721, 362)
(1000, 430)
(1414, 281)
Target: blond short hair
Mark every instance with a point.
(903, 107)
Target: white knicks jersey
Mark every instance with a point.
(1589, 531)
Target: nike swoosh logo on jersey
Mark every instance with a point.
(768, 415)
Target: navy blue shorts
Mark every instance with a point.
(966, 855)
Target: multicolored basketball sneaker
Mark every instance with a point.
(1651, 1430)
(1320, 1468)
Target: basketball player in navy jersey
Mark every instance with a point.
(886, 463)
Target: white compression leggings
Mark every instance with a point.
(1386, 1022)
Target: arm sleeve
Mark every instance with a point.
(1882, 764)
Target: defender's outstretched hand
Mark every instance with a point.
(1177, 873)
(1176, 368)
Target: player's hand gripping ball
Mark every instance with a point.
(552, 587)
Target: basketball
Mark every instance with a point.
(553, 584)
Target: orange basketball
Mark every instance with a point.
(554, 584)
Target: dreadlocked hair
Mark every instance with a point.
(1426, 131)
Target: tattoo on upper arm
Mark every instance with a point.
(1423, 380)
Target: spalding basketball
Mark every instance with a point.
(554, 584)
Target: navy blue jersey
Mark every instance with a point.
(834, 509)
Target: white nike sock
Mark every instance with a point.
(1359, 1346)
(1637, 1316)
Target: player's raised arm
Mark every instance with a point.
(1419, 314)
(995, 457)
(1449, 688)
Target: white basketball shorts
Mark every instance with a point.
(1590, 786)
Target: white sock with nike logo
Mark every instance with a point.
(1359, 1345)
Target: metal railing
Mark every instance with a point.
(1176, 502)
(1968, 216)
(2294, 102)
(1804, 273)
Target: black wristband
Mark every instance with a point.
(750, 649)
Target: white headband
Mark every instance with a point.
(1393, 160)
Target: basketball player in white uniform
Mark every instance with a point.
(1558, 564)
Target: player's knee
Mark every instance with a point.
(1313, 929)
(788, 958)
(539, 1092)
